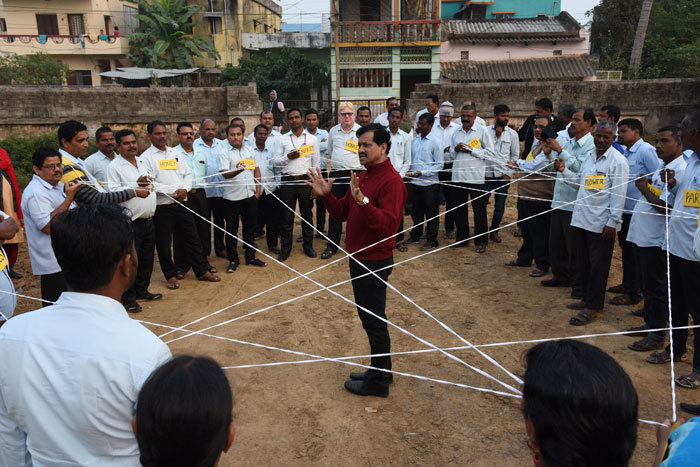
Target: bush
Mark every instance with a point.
(32, 69)
(20, 148)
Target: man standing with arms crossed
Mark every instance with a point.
(372, 208)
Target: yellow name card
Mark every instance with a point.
(474, 144)
(691, 198)
(306, 150)
(530, 157)
(167, 164)
(352, 146)
(654, 190)
(248, 164)
(3, 261)
(595, 182)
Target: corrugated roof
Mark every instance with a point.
(561, 27)
(567, 66)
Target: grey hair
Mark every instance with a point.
(607, 124)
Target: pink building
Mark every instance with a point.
(515, 49)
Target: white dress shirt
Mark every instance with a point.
(400, 152)
(506, 148)
(39, 200)
(69, 382)
(8, 300)
(341, 158)
(444, 137)
(121, 174)
(242, 186)
(300, 165)
(213, 176)
(270, 176)
(97, 164)
(382, 119)
(167, 181)
(471, 167)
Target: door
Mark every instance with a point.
(409, 79)
(76, 26)
(47, 24)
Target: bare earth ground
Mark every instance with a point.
(300, 414)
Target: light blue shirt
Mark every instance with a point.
(198, 165)
(214, 178)
(506, 148)
(574, 153)
(426, 157)
(595, 208)
(683, 220)
(97, 164)
(648, 226)
(39, 200)
(322, 137)
(642, 159)
(270, 176)
(471, 167)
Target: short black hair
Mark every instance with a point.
(674, 129)
(101, 131)
(153, 124)
(468, 107)
(236, 119)
(89, 241)
(310, 112)
(427, 116)
(183, 124)
(567, 109)
(398, 108)
(588, 115)
(545, 103)
(633, 123)
(364, 107)
(68, 129)
(433, 97)
(613, 111)
(257, 127)
(183, 413)
(41, 153)
(294, 109)
(119, 135)
(234, 125)
(379, 134)
(389, 99)
(581, 404)
(500, 108)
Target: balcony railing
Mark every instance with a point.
(390, 31)
(63, 44)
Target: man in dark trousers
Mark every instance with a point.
(372, 208)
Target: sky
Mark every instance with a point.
(310, 11)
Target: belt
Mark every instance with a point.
(294, 177)
(197, 190)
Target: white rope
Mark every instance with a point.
(670, 314)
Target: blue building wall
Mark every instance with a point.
(522, 8)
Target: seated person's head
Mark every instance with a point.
(580, 406)
(183, 414)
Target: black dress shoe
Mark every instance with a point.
(576, 294)
(691, 408)
(150, 296)
(232, 266)
(282, 257)
(15, 275)
(383, 377)
(554, 283)
(132, 307)
(367, 388)
(310, 252)
(255, 262)
(274, 250)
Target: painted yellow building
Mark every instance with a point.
(225, 21)
(86, 35)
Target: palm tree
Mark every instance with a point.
(638, 45)
(164, 37)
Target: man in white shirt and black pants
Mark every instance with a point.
(443, 131)
(399, 155)
(299, 154)
(269, 202)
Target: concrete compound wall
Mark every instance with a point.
(37, 110)
(655, 102)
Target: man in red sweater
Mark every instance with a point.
(372, 208)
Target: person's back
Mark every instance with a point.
(71, 372)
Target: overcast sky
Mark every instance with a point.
(310, 11)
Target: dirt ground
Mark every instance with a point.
(300, 414)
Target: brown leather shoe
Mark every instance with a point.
(616, 289)
(624, 300)
(495, 237)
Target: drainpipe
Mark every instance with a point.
(228, 50)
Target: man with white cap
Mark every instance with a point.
(443, 131)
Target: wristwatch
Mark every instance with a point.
(364, 202)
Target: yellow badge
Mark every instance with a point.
(352, 146)
(167, 164)
(654, 190)
(3, 261)
(595, 182)
(474, 144)
(530, 157)
(306, 150)
(691, 198)
(249, 164)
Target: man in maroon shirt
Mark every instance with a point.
(372, 208)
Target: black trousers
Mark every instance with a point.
(272, 212)
(630, 268)
(245, 210)
(217, 212)
(52, 286)
(170, 218)
(320, 215)
(652, 269)
(479, 202)
(290, 194)
(339, 188)
(196, 201)
(370, 293)
(425, 206)
(500, 187)
(595, 255)
(685, 300)
(561, 247)
(145, 244)
(450, 193)
(535, 233)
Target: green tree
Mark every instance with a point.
(287, 71)
(164, 37)
(33, 69)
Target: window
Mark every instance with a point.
(3, 26)
(76, 27)
(47, 24)
(370, 10)
(365, 78)
(130, 21)
(215, 25)
(80, 78)
(556, 52)
(464, 55)
(477, 12)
